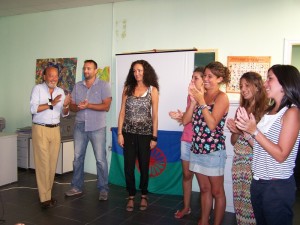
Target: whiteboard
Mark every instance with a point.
(174, 71)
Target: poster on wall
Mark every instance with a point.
(104, 74)
(238, 65)
(66, 71)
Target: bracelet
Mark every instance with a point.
(66, 107)
(202, 107)
(255, 133)
(120, 134)
(248, 137)
(154, 138)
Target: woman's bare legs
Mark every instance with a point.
(187, 185)
(187, 178)
(211, 187)
(206, 198)
(218, 193)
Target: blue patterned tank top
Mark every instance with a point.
(205, 140)
(138, 118)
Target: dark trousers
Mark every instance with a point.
(136, 147)
(273, 200)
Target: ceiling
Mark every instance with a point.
(17, 7)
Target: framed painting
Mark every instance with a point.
(238, 65)
(66, 71)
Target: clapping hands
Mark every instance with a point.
(232, 126)
(83, 105)
(244, 121)
(195, 93)
(176, 116)
(67, 100)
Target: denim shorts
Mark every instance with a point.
(185, 150)
(212, 164)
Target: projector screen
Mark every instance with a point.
(174, 71)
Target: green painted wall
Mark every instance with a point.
(85, 33)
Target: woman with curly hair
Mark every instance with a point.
(208, 111)
(137, 126)
(254, 99)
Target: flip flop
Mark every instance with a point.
(178, 214)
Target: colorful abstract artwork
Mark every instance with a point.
(66, 70)
(104, 74)
(238, 65)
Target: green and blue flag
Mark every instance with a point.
(165, 165)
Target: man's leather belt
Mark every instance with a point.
(47, 125)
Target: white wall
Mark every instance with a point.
(234, 27)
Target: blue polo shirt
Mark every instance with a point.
(99, 91)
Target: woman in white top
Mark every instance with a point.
(275, 144)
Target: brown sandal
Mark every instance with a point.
(144, 207)
(129, 207)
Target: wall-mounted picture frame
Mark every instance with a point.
(66, 71)
(238, 65)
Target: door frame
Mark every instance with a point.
(288, 46)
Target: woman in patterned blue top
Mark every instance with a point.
(275, 145)
(208, 110)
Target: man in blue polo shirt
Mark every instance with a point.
(91, 99)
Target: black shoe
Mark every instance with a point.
(49, 204)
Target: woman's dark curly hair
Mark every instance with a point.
(288, 77)
(150, 77)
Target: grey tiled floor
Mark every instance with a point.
(21, 205)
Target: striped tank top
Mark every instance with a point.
(264, 166)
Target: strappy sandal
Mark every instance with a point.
(144, 207)
(179, 214)
(130, 208)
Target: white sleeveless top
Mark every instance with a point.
(264, 166)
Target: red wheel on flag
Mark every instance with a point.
(158, 162)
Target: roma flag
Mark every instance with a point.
(165, 164)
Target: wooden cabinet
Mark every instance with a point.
(8, 158)
(65, 157)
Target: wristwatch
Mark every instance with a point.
(50, 105)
